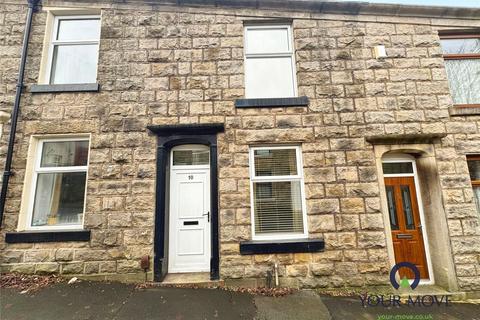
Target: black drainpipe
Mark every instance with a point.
(32, 6)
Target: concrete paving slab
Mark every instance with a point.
(83, 300)
(305, 305)
(187, 304)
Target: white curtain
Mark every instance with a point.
(464, 80)
(43, 198)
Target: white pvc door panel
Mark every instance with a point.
(189, 245)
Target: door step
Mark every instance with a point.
(200, 279)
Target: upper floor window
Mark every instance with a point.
(462, 62)
(58, 184)
(474, 169)
(278, 197)
(269, 62)
(73, 51)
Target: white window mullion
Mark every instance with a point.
(62, 169)
(276, 179)
(268, 55)
(79, 42)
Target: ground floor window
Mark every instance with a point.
(474, 169)
(277, 190)
(59, 179)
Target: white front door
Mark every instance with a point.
(189, 225)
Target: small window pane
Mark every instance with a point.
(278, 207)
(269, 78)
(460, 46)
(64, 153)
(59, 199)
(74, 64)
(392, 209)
(474, 169)
(464, 80)
(191, 157)
(397, 167)
(273, 40)
(407, 207)
(83, 29)
(275, 162)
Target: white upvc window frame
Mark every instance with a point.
(54, 42)
(298, 177)
(403, 174)
(38, 169)
(290, 53)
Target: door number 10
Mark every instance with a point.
(190, 177)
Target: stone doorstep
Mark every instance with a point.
(200, 279)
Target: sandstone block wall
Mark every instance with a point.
(171, 65)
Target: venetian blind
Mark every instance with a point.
(190, 157)
(275, 162)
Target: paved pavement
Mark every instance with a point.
(305, 305)
(100, 300)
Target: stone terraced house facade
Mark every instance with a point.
(324, 142)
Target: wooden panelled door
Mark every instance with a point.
(406, 225)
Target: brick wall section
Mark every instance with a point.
(185, 65)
